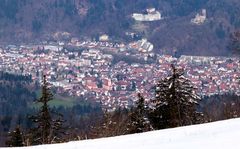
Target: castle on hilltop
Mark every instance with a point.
(151, 15)
(200, 18)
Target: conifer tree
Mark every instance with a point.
(138, 121)
(15, 138)
(175, 101)
(48, 128)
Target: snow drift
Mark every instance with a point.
(217, 135)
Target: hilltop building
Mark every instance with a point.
(200, 18)
(151, 15)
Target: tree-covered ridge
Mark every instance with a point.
(22, 20)
(14, 93)
(14, 99)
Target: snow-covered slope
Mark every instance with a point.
(217, 135)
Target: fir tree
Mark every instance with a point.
(175, 101)
(15, 138)
(47, 128)
(138, 121)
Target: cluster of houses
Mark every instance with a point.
(213, 75)
(92, 75)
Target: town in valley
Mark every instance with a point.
(92, 69)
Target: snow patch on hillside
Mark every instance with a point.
(217, 135)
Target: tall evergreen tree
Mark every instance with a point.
(138, 121)
(47, 128)
(175, 101)
(15, 138)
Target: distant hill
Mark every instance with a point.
(34, 20)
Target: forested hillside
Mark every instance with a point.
(18, 102)
(14, 98)
(33, 20)
(14, 93)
